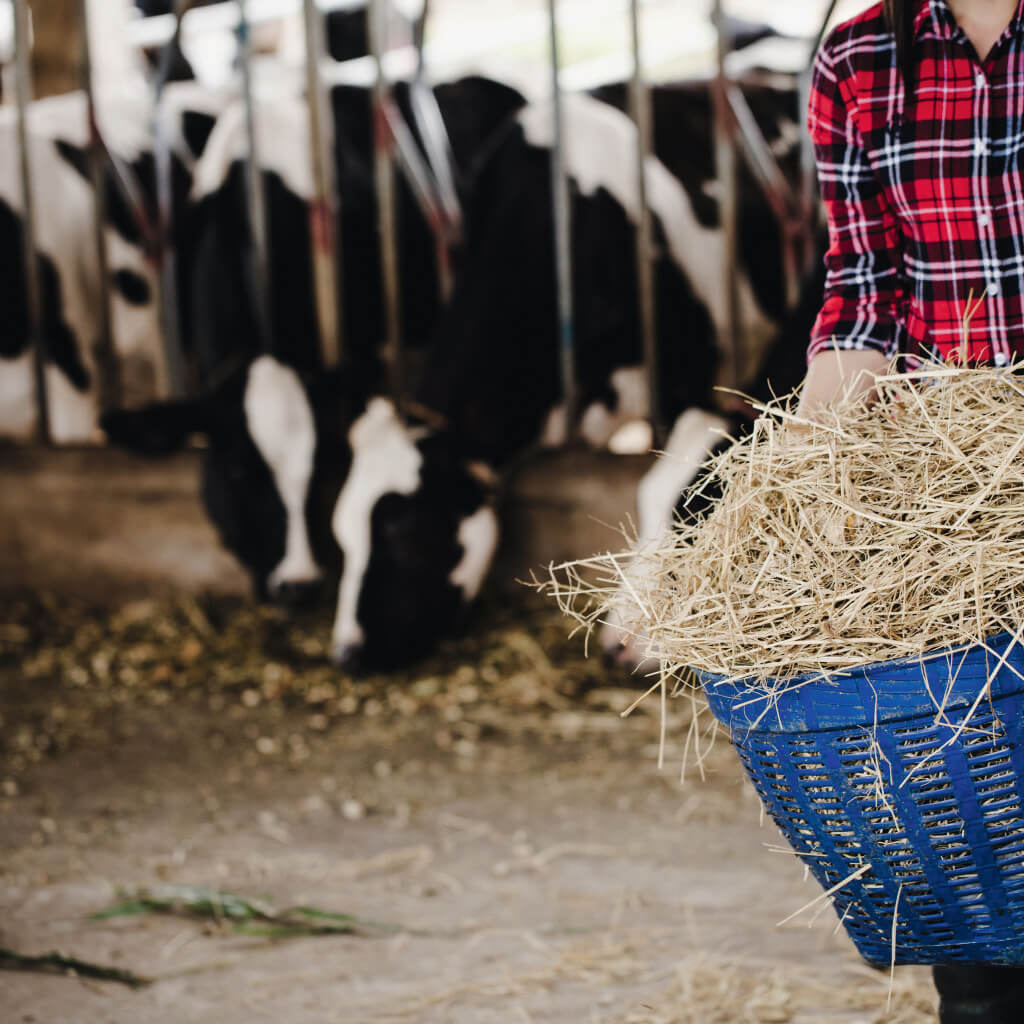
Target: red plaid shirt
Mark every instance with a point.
(924, 193)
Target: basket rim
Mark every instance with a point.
(805, 678)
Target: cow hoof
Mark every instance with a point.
(296, 593)
(347, 658)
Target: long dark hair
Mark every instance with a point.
(899, 15)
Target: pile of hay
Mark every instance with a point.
(886, 530)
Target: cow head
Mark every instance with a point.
(417, 531)
(272, 467)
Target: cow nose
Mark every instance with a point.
(347, 657)
(295, 593)
(610, 656)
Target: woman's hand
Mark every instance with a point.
(838, 374)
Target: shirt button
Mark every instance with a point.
(993, 288)
(1001, 359)
(984, 220)
(980, 80)
(980, 147)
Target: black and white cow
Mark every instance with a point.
(274, 406)
(677, 487)
(274, 457)
(416, 526)
(226, 321)
(67, 256)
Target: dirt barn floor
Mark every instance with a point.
(505, 840)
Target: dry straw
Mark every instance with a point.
(890, 528)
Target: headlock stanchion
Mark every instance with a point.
(427, 115)
(259, 266)
(378, 22)
(162, 246)
(108, 374)
(640, 104)
(808, 170)
(563, 255)
(33, 292)
(728, 203)
(324, 209)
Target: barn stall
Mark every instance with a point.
(206, 819)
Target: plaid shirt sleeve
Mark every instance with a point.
(863, 288)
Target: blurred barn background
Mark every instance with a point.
(323, 324)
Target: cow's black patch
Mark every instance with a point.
(61, 345)
(196, 127)
(120, 214)
(238, 488)
(133, 287)
(407, 600)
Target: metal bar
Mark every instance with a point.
(728, 178)
(414, 167)
(387, 218)
(759, 156)
(155, 31)
(324, 219)
(108, 373)
(808, 169)
(33, 291)
(563, 254)
(427, 115)
(259, 275)
(804, 94)
(640, 102)
(784, 202)
(173, 382)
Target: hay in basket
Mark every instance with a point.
(887, 529)
(845, 561)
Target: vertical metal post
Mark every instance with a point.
(563, 255)
(728, 179)
(808, 170)
(173, 382)
(640, 102)
(33, 292)
(259, 270)
(387, 219)
(108, 374)
(323, 214)
(434, 136)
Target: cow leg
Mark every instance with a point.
(695, 434)
(980, 994)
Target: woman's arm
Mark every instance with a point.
(862, 305)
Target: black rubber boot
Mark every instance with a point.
(980, 994)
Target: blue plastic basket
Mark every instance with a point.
(856, 770)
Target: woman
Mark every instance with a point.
(917, 117)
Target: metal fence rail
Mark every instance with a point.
(431, 178)
(325, 220)
(33, 291)
(563, 240)
(108, 370)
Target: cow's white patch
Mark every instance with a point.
(72, 412)
(600, 147)
(17, 398)
(633, 438)
(280, 423)
(599, 424)
(555, 432)
(385, 460)
(282, 144)
(65, 234)
(692, 437)
(478, 535)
